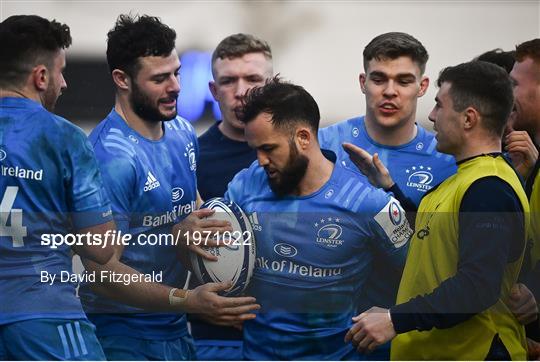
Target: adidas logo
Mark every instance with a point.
(151, 182)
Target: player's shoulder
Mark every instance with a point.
(250, 181)
(425, 142)
(353, 191)
(110, 137)
(349, 126)
(180, 125)
(210, 135)
(60, 131)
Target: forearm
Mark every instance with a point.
(489, 233)
(137, 293)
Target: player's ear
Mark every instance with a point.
(362, 80)
(471, 117)
(424, 85)
(303, 137)
(40, 77)
(121, 79)
(213, 90)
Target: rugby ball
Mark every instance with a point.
(236, 258)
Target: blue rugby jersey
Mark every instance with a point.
(49, 184)
(416, 168)
(152, 185)
(313, 255)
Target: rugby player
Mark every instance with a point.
(148, 158)
(316, 225)
(239, 63)
(392, 83)
(526, 78)
(49, 184)
(468, 245)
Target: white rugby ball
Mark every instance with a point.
(236, 259)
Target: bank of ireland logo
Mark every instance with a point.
(420, 178)
(329, 194)
(133, 138)
(3, 155)
(329, 232)
(419, 146)
(355, 132)
(285, 250)
(395, 213)
(177, 194)
(190, 154)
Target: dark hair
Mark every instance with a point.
(500, 57)
(29, 40)
(530, 49)
(394, 45)
(288, 104)
(483, 86)
(137, 36)
(237, 45)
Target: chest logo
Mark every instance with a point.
(285, 250)
(419, 178)
(329, 232)
(177, 194)
(151, 182)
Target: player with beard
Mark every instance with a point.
(49, 184)
(239, 63)
(526, 115)
(317, 225)
(148, 158)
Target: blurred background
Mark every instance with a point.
(316, 44)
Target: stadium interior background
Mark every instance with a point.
(317, 44)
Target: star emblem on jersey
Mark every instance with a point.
(151, 182)
(190, 154)
(329, 232)
(420, 178)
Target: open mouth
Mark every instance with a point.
(388, 108)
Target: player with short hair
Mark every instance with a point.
(526, 78)
(49, 185)
(316, 225)
(468, 245)
(239, 63)
(393, 81)
(148, 158)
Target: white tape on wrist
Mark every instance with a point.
(174, 300)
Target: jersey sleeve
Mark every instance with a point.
(119, 175)
(329, 138)
(237, 187)
(390, 229)
(87, 199)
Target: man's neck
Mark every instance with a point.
(318, 173)
(231, 132)
(391, 136)
(20, 93)
(148, 129)
(473, 148)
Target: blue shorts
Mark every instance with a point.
(122, 348)
(219, 350)
(50, 339)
